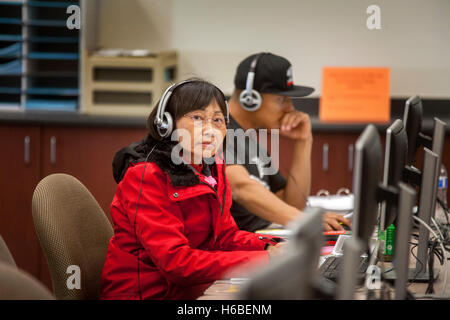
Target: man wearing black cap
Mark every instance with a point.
(262, 100)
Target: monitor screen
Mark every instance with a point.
(366, 177)
(412, 119)
(394, 162)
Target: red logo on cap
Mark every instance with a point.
(290, 80)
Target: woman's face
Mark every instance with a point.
(201, 132)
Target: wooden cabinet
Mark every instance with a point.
(87, 154)
(33, 152)
(19, 174)
(331, 160)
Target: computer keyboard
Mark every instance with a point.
(330, 267)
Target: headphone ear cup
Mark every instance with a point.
(250, 101)
(165, 129)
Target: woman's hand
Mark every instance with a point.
(277, 250)
(334, 221)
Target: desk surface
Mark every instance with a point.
(226, 290)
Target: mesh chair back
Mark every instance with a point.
(5, 254)
(16, 284)
(74, 234)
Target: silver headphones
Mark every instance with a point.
(163, 119)
(251, 99)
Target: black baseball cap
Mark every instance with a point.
(273, 74)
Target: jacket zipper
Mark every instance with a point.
(222, 205)
(217, 195)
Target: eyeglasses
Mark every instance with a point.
(218, 121)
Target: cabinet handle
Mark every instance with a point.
(325, 149)
(350, 157)
(53, 150)
(27, 150)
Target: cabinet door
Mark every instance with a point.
(87, 154)
(19, 175)
(332, 162)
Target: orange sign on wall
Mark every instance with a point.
(352, 94)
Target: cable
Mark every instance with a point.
(134, 222)
(411, 251)
(417, 259)
(430, 289)
(443, 251)
(433, 251)
(437, 227)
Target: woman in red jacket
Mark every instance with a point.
(173, 232)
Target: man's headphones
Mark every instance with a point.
(163, 120)
(251, 99)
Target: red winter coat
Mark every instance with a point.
(185, 237)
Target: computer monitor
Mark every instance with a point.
(348, 273)
(394, 163)
(428, 178)
(413, 124)
(426, 201)
(305, 229)
(292, 275)
(366, 179)
(438, 148)
(412, 120)
(406, 202)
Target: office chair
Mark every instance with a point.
(16, 284)
(5, 254)
(73, 231)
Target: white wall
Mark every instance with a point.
(213, 36)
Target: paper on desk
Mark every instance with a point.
(332, 203)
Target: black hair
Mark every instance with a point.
(196, 94)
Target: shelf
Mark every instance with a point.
(12, 51)
(53, 91)
(123, 86)
(123, 99)
(52, 74)
(36, 104)
(53, 56)
(11, 37)
(47, 23)
(5, 106)
(10, 21)
(50, 4)
(43, 39)
(11, 68)
(10, 90)
(11, 3)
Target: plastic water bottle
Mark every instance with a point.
(440, 215)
